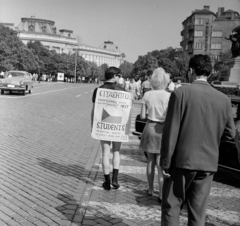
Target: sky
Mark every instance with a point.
(135, 26)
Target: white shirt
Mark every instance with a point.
(121, 81)
(157, 103)
(171, 86)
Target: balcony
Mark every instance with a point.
(191, 39)
(190, 27)
(183, 32)
(190, 51)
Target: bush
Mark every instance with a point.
(229, 91)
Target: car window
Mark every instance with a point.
(13, 74)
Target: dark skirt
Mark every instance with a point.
(152, 137)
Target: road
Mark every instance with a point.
(45, 151)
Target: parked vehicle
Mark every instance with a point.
(228, 152)
(20, 81)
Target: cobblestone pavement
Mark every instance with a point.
(51, 174)
(46, 153)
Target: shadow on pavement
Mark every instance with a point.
(77, 171)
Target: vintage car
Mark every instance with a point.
(229, 155)
(20, 81)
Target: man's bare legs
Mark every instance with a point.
(106, 148)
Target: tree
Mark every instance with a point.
(144, 64)
(126, 69)
(14, 55)
(221, 62)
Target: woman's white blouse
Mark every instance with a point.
(156, 102)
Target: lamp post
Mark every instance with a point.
(75, 69)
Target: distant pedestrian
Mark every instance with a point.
(198, 117)
(146, 86)
(121, 81)
(133, 88)
(178, 84)
(171, 86)
(155, 102)
(110, 83)
(127, 84)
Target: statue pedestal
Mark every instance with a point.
(232, 73)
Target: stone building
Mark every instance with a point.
(63, 41)
(205, 32)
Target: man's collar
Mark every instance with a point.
(201, 79)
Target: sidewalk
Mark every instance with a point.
(130, 205)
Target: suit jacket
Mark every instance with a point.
(198, 118)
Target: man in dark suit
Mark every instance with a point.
(198, 117)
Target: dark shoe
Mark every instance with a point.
(115, 183)
(106, 184)
(149, 194)
(159, 200)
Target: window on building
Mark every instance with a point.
(199, 21)
(198, 45)
(187, 35)
(198, 33)
(44, 29)
(217, 34)
(216, 45)
(31, 28)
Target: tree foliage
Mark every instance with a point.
(13, 53)
(126, 69)
(173, 61)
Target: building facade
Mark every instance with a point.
(205, 32)
(63, 41)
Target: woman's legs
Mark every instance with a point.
(160, 176)
(150, 171)
(116, 163)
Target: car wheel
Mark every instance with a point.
(30, 91)
(2, 92)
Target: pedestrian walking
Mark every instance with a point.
(110, 76)
(121, 81)
(155, 102)
(133, 88)
(198, 117)
(127, 84)
(146, 86)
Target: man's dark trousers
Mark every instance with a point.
(191, 187)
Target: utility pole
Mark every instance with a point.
(75, 70)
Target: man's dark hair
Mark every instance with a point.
(111, 71)
(201, 64)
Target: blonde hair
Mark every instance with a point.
(159, 79)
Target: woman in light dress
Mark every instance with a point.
(155, 102)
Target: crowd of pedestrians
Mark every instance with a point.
(185, 125)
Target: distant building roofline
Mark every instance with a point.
(200, 11)
(37, 19)
(66, 30)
